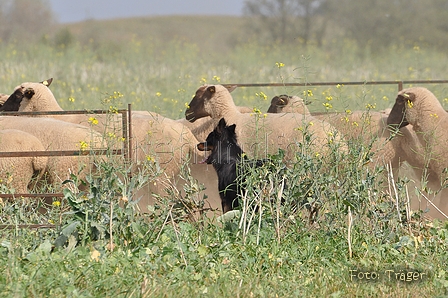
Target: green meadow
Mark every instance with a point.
(365, 241)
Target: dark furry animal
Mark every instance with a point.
(226, 157)
(231, 165)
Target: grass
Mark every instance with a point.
(102, 247)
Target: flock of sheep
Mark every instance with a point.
(413, 131)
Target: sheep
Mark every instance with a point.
(3, 98)
(366, 127)
(55, 136)
(260, 134)
(288, 104)
(17, 172)
(202, 127)
(420, 108)
(154, 138)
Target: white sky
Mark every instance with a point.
(68, 11)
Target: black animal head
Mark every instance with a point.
(222, 143)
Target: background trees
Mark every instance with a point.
(24, 19)
(285, 20)
(375, 24)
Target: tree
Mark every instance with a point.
(286, 20)
(378, 24)
(25, 19)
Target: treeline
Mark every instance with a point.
(369, 24)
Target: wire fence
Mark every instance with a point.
(126, 128)
(125, 151)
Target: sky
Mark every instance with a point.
(69, 11)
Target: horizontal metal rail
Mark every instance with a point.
(399, 83)
(126, 152)
(4, 113)
(61, 153)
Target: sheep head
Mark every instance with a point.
(206, 100)
(23, 92)
(12, 104)
(278, 103)
(397, 116)
(415, 106)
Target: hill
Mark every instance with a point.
(210, 33)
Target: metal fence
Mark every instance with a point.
(399, 83)
(126, 128)
(126, 152)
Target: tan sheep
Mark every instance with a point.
(154, 139)
(262, 134)
(3, 98)
(18, 172)
(419, 107)
(366, 127)
(55, 136)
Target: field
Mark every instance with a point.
(365, 242)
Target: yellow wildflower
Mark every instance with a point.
(308, 93)
(113, 109)
(93, 120)
(158, 94)
(280, 64)
(256, 111)
(370, 106)
(56, 203)
(327, 105)
(262, 95)
(83, 145)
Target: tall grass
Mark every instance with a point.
(103, 247)
(163, 77)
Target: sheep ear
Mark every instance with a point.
(211, 89)
(47, 82)
(410, 96)
(283, 100)
(230, 88)
(29, 93)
